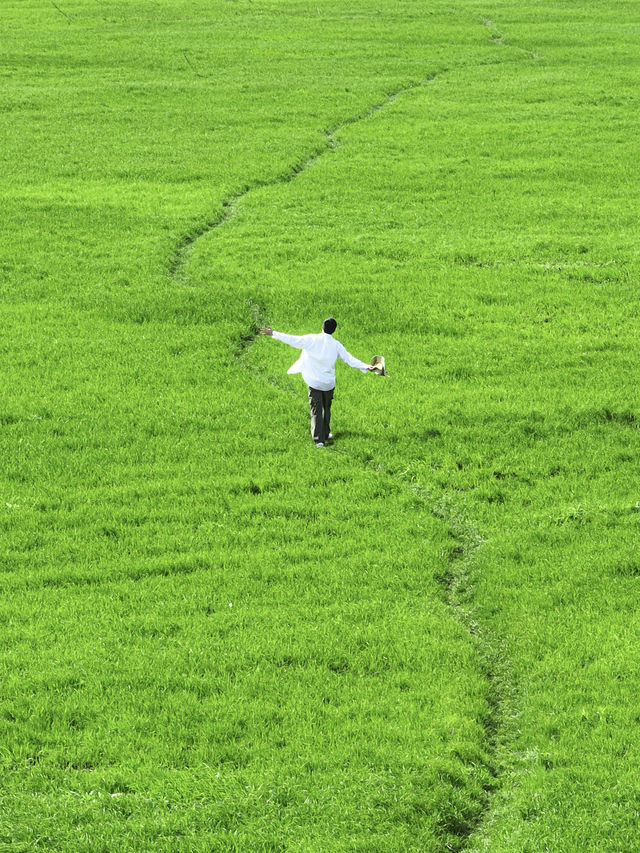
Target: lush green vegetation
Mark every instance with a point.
(215, 636)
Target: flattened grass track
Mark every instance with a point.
(455, 579)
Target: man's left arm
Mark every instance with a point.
(352, 361)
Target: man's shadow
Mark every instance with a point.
(351, 433)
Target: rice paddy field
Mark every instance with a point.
(215, 636)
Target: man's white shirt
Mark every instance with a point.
(317, 362)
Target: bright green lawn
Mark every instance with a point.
(215, 636)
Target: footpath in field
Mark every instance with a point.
(502, 286)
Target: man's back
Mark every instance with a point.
(318, 359)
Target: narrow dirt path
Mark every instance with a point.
(180, 258)
(456, 580)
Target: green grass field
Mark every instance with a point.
(215, 636)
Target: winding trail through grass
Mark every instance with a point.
(180, 258)
(456, 579)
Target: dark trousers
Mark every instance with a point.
(320, 404)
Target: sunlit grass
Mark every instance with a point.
(215, 636)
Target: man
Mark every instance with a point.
(317, 366)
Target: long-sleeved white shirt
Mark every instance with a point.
(317, 362)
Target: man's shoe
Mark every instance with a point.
(319, 444)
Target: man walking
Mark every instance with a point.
(317, 366)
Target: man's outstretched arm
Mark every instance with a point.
(297, 341)
(352, 361)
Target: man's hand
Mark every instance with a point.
(267, 332)
(371, 367)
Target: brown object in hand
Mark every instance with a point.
(378, 365)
